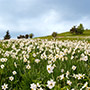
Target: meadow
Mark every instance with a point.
(42, 64)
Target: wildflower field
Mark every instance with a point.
(35, 64)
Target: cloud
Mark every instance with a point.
(42, 17)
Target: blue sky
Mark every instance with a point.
(42, 17)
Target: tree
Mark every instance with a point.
(54, 34)
(26, 36)
(80, 29)
(73, 30)
(18, 37)
(31, 35)
(7, 36)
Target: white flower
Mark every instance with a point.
(84, 58)
(34, 55)
(14, 72)
(3, 59)
(62, 70)
(61, 76)
(73, 67)
(54, 65)
(69, 82)
(67, 73)
(11, 78)
(53, 59)
(28, 62)
(50, 84)
(49, 62)
(25, 60)
(72, 57)
(85, 85)
(80, 76)
(50, 68)
(38, 85)
(5, 86)
(15, 64)
(72, 89)
(28, 66)
(37, 60)
(40, 88)
(33, 86)
(2, 66)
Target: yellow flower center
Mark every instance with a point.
(49, 69)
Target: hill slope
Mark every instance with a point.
(67, 35)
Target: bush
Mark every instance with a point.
(18, 37)
(7, 36)
(21, 36)
(73, 30)
(80, 29)
(31, 35)
(26, 36)
(54, 34)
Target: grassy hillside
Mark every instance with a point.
(86, 33)
(68, 35)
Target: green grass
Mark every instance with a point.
(86, 33)
(69, 36)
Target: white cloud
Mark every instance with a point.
(45, 24)
(40, 17)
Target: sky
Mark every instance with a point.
(42, 17)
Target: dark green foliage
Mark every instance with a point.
(7, 36)
(21, 36)
(31, 35)
(18, 37)
(78, 30)
(54, 34)
(26, 36)
(73, 30)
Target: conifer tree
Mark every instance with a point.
(7, 36)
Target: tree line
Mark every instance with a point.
(25, 36)
(7, 36)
